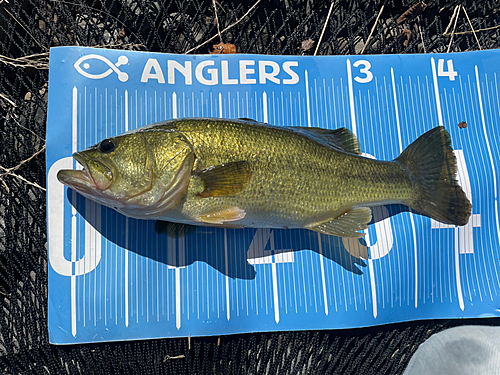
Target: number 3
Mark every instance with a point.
(365, 70)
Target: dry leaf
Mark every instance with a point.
(405, 38)
(223, 48)
(462, 125)
(411, 13)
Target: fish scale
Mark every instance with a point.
(295, 179)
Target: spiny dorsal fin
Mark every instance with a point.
(341, 138)
(225, 180)
(247, 119)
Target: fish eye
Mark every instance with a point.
(107, 146)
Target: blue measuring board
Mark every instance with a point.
(113, 278)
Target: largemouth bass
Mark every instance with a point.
(240, 173)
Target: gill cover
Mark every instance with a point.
(172, 163)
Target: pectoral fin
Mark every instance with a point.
(346, 225)
(225, 180)
(222, 216)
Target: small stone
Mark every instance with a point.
(41, 25)
(307, 44)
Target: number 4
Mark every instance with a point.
(451, 74)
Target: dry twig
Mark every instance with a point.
(455, 15)
(167, 357)
(9, 101)
(324, 27)
(451, 20)
(41, 60)
(6, 186)
(9, 171)
(472, 27)
(226, 29)
(454, 26)
(475, 31)
(217, 21)
(373, 29)
(421, 35)
(37, 61)
(22, 179)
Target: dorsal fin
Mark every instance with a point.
(341, 138)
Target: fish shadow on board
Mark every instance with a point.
(233, 252)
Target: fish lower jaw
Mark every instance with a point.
(76, 179)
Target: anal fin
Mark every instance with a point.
(346, 225)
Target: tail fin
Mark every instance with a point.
(433, 165)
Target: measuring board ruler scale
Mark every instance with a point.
(113, 278)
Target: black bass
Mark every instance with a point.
(240, 173)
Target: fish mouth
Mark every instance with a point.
(77, 179)
(82, 179)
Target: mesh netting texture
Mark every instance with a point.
(28, 28)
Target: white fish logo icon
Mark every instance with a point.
(122, 60)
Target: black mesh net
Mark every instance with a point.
(28, 28)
